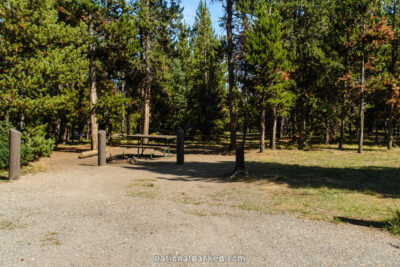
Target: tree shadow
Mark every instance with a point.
(384, 181)
(72, 149)
(365, 223)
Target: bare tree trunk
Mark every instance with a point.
(362, 111)
(390, 129)
(282, 128)
(262, 131)
(246, 122)
(376, 131)
(392, 70)
(146, 88)
(93, 91)
(274, 124)
(123, 119)
(293, 131)
(327, 134)
(342, 123)
(300, 142)
(22, 122)
(65, 133)
(231, 66)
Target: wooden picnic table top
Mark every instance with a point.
(166, 137)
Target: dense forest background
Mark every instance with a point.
(305, 70)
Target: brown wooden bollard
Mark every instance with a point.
(102, 148)
(180, 147)
(15, 155)
(240, 165)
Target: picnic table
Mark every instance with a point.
(162, 142)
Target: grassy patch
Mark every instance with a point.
(325, 183)
(393, 224)
(141, 185)
(145, 180)
(31, 168)
(190, 201)
(143, 194)
(142, 188)
(50, 239)
(7, 225)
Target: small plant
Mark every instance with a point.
(34, 144)
(50, 239)
(393, 225)
(4, 224)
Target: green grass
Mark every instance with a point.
(7, 225)
(50, 239)
(393, 224)
(143, 194)
(328, 184)
(31, 168)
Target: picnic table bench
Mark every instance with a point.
(163, 143)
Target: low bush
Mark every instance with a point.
(34, 144)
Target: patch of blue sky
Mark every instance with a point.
(216, 12)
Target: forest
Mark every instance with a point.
(307, 71)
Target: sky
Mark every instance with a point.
(216, 12)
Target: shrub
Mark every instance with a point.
(393, 225)
(34, 145)
(4, 146)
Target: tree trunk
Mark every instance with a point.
(274, 124)
(342, 123)
(231, 66)
(123, 117)
(392, 70)
(64, 135)
(146, 88)
(300, 142)
(246, 122)
(327, 137)
(282, 128)
(293, 130)
(93, 91)
(390, 129)
(376, 131)
(362, 111)
(22, 122)
(262, 131)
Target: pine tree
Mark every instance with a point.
(206, 105)
(304, 28)
(268, 58)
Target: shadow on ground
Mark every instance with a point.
(371, 180)
(365, 223)
(72, 149)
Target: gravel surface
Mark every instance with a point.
(77, 214)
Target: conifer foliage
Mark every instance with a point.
(299, 71)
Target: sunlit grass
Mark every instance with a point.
(326, 183)
(31, 168)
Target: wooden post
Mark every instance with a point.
(102, 148)
(240, 165)
(180, 147)
(15, 155)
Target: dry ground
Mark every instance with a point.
(77, 214)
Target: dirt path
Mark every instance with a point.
(77, 214)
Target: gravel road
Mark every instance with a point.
(77, 214)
